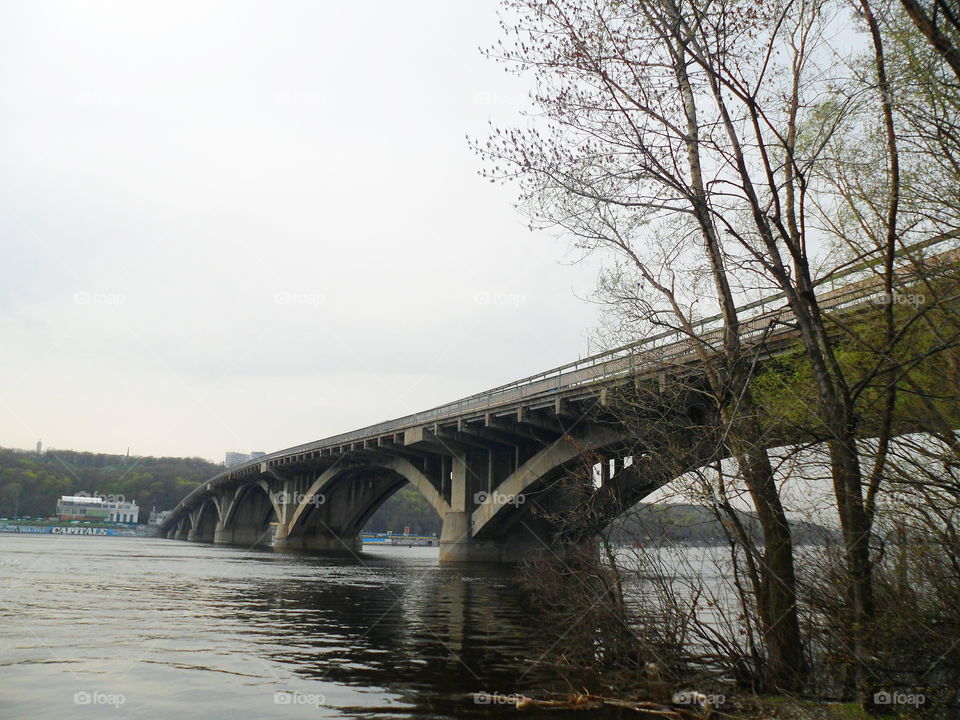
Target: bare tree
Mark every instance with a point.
(718, 150)
(669, 143)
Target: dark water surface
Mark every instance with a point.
(140, 627)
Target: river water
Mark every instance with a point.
(143, 627)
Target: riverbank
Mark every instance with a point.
(690, 705)
(788, 708)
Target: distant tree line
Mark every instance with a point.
(31, 484)
(686, 524)
(406, 508)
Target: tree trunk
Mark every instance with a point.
(776, 603)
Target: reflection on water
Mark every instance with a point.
(93, 627)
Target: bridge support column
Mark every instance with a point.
(324, 542)
(456, 534)
(181, 530)
(286, 501)
(222, 535)
(526, 536)
(243, 535)
(457, 544)
(202, 524)
(323, 534)
(245, 515)
(457, 541)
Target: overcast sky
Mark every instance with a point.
(248, 225)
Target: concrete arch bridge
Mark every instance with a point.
(496, 466)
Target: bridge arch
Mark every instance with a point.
(506, 499)
(400, 466)
(248, 515)
(204, 520)
(624, 472)
(336, 505)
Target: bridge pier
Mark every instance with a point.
(320, 542)
(247, 536)
(182, 530)
(203, 522)
(327, 515)
(455, 541)
(468, 489)
(243, 515)
(527, 541)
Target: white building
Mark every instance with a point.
(122, 512)
(97, 509)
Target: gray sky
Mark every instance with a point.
(247, 225)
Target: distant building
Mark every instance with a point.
(97, 509)
(235, 458)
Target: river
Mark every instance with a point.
(143, 627)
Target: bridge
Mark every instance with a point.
(495, 466)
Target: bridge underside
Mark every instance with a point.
(504, 485)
